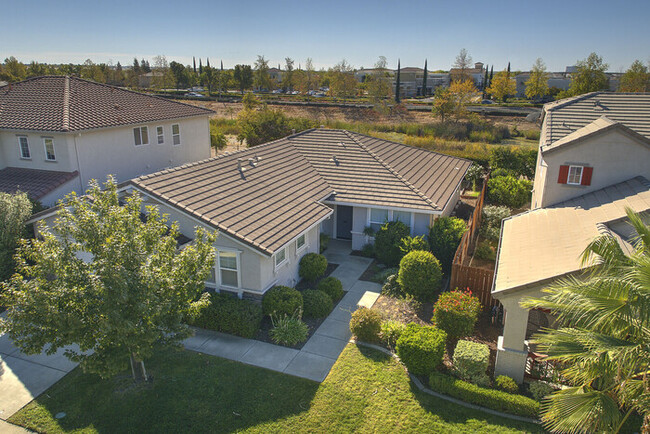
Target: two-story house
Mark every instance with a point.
(59, 132)
(593, 162)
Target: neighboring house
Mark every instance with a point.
(476, 74)
(271, 202)
(58, 132)
(593, 161)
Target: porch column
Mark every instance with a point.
(511, 348)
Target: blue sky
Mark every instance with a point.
(493, 32)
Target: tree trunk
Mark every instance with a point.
(137, 369)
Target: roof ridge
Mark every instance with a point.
(392, 171)
(66, 104)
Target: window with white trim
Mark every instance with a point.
(377, 218)
(141, 136)
(280, 257)
(575, 175)
(176, 134)
(23, 145)
(402, 216)
(228, 269)
(300, 242)
(160, 133)
(48, 143)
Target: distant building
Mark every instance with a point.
(477, 74)
(146, 80)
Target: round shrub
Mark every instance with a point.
(289, 331)
(471, 360)
(421, 348)
(390, 332)
(420, 274)
(312, 266)
(539, 390)
(282, 300)
(332, 287)
(387, 242)
(366, 324)
(507, 384)
(456, 312)
(316, 304)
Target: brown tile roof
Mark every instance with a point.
(62, 103)
(36, 183)
(279, 198)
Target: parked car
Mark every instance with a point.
(487, 101)
(195, 95)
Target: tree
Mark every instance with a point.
(378, 84)
(136, 65)
(462, 64)
(444, 238)
(398, 84)
(589, 77)
(208, 78)
(36, 69)
(194, 64)
(15, 209)
(308, 79)
(180, 74)
(462, 93)
(603, 338)
(342, 81)
(13, 70)
(486, 79)
(424, 79)
(262, 78)
(288, 79)
(262, 126)
(164, 79)
(243, 75)
(119, 305)
(91, 71)
(443, 103)
(635, 79)
(502, 86)
(144, 66)
(537, 83)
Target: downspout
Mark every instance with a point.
(76, 152)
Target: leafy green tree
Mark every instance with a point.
(208, 78)
(603, 338)
(462, 92)
(288, 77)
(378, 84)
(128, 295)
(502, 86)
(444, 238)
(243, 76)
(537, 83)
(13, 70)
(262, 78)
(443, 103)
(15, 209)
(261, 126)
(635, 79)
(342, 81)
(589, 77)
(180, 74)
(509, 191)
(36, 69)
(516, 160)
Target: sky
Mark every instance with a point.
(237, 31)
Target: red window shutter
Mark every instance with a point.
(586, 175)
(564, 175)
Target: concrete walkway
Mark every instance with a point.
(319, 353)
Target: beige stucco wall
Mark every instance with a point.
(10, 152)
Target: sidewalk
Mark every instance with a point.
(320, 352)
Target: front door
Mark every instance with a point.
(344, 222)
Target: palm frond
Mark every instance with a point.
(580, 410)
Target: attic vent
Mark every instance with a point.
(239, 166)
(254, 161)
(335, 160)
(599, 105)
(565, 125)
(342, 144)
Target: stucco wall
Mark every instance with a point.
(60, 192)
(10, 152)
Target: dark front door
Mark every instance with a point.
(344, 222)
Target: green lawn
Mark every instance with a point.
(366, 391)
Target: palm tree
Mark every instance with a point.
(603, 342)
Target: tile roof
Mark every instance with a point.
(546, 243)
(565, 116)
(62, 103)
(36, 183)
(280, 197)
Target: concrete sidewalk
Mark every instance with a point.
(316, 358)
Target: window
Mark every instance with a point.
(402, 216)
(49, 149)
(176, 134)
(575, 175)
(23, 144)
(228, 269)
(141, 136)
(280, 257)
(300, 242)
(377, 218)
(161, 135)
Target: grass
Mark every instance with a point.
(367, 391)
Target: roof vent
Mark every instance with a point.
(239, 166)
(253, 161)
(342, 144)
(335, 160)
(117, 107)
(599, 105)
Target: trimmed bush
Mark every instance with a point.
(409, 244)
(507, 384)
(456, 312)
(509, 191)
(539, 390)
(420, 274)
(444, 238)
(316, 304)
(324, 242)
(332, 287)
(471, 360)
(421, 348)
(282, 300)
(289, 330)
(491, 221)
(391, 288)
(366, 324)
(224, 313)
(312, 266)
(390, 332)
(485, 251)
(495, 399)
(368, 250)
(387, 241)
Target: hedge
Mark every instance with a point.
(490, 398)
(224, 313)
(421, 348)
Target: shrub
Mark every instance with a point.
(387, 242)
(332, 287)
(409, 244)
(495, 399)
(366, 324)
(444, 237)
(392, 288)
(288, 330)
(456, 312)
(502, 172)
(324, 242)
(520, 161)
(316, 304)
(282, 300)
(507, 384)
(262, 126)
(491, 221)
(420, 274)
(471, 360)
(539, 390)
(474, 175)
(421, 348)
(531, 134)
(312, 266)
(15, 209)
(509, 191)
(383, 275)
(227, 314)
(485, 251)
(390, 332)
(217, 139)
(368, 250)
